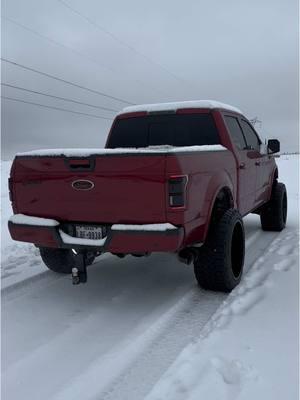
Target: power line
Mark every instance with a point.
(77, 52)
(54, 108)
(58, 97)
(65, 81)
(80, 54)
(55, 42)
(120, 41)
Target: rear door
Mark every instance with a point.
(246, 165)
(257, 159)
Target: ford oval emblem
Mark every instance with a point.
(83, 184)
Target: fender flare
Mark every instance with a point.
(273, 176)
(218, 190)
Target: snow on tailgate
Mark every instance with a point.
(101, 151)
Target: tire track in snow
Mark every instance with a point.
(34, 282)
(68, 327)
(131, 369)
(38, 281)
(185, 328)
(132, 359)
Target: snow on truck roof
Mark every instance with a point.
(180, 104)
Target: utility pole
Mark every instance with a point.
(255, 121)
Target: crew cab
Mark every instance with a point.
(173, 177)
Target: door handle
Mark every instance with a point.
(257, 162)
(242, 165)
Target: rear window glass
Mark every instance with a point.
(167, 129)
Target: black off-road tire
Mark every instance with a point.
(274, 213)
(58, 260)
(220, 263)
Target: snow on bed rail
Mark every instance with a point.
(22, 219)
(211, 104)
(101, 151)
(146, 227)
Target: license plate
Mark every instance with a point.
(89, 232)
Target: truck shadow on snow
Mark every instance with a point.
(154, 279)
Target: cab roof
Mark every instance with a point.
(210, 104)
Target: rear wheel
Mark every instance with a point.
(274, 213)
(61, 260)
(221, 259)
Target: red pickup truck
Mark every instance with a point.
(173, 177)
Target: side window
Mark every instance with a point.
(235, 132)
(252, 139)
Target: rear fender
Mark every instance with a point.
(218, 183)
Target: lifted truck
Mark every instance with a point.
(173, 177)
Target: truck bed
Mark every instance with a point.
(129, 185)
(132, 187)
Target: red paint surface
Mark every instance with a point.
(42, 236)
(133, 189)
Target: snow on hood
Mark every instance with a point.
(180, 104)
(102, 151)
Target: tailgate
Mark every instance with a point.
(102, 189)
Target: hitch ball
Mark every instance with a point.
(79, 272)
(75, 276)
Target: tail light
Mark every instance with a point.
(177, 191)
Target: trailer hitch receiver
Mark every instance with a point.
(79, 273)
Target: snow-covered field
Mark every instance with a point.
(141, 328)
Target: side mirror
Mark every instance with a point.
(273, 146)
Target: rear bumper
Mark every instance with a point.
(120, 238)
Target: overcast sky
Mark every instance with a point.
(244, 53)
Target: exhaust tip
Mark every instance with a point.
(187, 255)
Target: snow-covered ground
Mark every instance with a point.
(141, 328)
